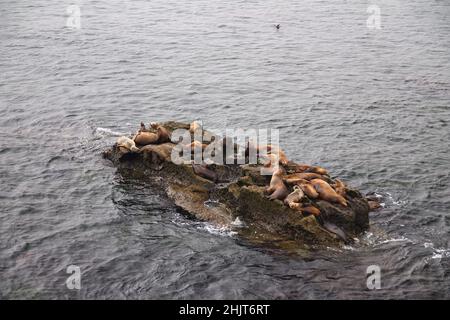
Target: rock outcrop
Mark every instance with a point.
(238, 194)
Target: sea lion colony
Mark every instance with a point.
(296, 185)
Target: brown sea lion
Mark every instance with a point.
(309, 209)
(144, 138)
(374, 205)
(157, 153)
(272, 152)
(301, 167)
(327, 193)
(374, 202)
(294, 198)
(340, 187)
(163, 133)
(277, 188)
(270, 160)
(274, 149)
(195, 127)
(163, 151)
(203, 171)
(197, 145)
(308, 189)
(296, 177)
(283, 158)
(319, 170)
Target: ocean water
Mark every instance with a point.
(371, 105)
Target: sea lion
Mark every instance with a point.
(374, 201)
(308, 189)
(203, 171)
(144, 138)
(283, 158)
(310, 209)
(194, 127)
(197, 145)
(163, 133)
(270, 153)
(296, 177)
(319, 170)
(339, 186)
(277, 188)
(374, 205)
(126, 144)
(270, 160)
(327, 193)
(163, 151)
(274, 149)
(298, 168)
(333, 228)
(294, 198)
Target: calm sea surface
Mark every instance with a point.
(371, 105)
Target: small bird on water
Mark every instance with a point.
(277, 26)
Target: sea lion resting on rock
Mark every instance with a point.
(340, 187)
(274, 153)
(163, 151)
(327, 193)
(310, 209)
(126, 144)
(308, 189)
(299, 168)
(163, 133)
(277, 188)
(197, 145)
(143, 137)
(204, 172)
(270, 160)
(195, 127)
(273, 149)
(296, 177)
(293, 201)
(317, 169)
(294, 198)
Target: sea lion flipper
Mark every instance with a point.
(331, 227)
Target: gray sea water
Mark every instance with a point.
(371, 105)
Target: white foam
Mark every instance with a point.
(438, 253)
(371, 239)
(108, 132)
(401, 239)
(220, 231)
(398, 202)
